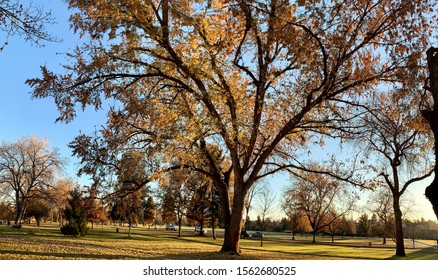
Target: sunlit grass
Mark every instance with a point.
(105, 243)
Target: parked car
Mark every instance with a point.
(170, 227)
(257, 234)
(198, 230)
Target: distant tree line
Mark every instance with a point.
(364, 226)
(314, 203)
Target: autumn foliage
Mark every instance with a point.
(260, 80)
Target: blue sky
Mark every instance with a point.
(21, 116)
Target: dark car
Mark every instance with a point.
(244, 233)
(257, 234)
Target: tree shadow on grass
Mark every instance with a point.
(26, 255)
(421, 254)
(216, 255)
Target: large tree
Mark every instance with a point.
(322, 199)
(27, 166)
(396, 141)
(258, 79)
(430, 113)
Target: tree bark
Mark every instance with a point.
(400, 245)
(213, 232)
(232, 235)
(179, 224)
(432, 190)
(20, 209)
(431, 116)
(314, 237)
(234, 225)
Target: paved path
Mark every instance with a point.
(418, 244)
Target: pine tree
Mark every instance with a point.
(149, 211)
(76, 215)
(364, 226)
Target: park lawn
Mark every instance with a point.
(342, 251)
(104, 243)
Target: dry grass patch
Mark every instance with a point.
(43, 248)
(47, 243)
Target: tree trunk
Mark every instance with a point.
(213, 222)
(431, 116)
(201, 229)
(234, 225)
(20, 211)
(20, 207)
(179, 224)
(432, 190)
(232, 235)
(314, 237)
(400, 245)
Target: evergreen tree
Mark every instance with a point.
(76, 215)
(168, 207)
(149, 211)
(364, 226)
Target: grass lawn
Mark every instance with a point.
(105, 243)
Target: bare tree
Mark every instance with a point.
(26, 166)
(265, 206)
(381, 204)
(335, 226)
(58, 196)
(322, 198)
(294, 214)
(397, 141)
(250, 197)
